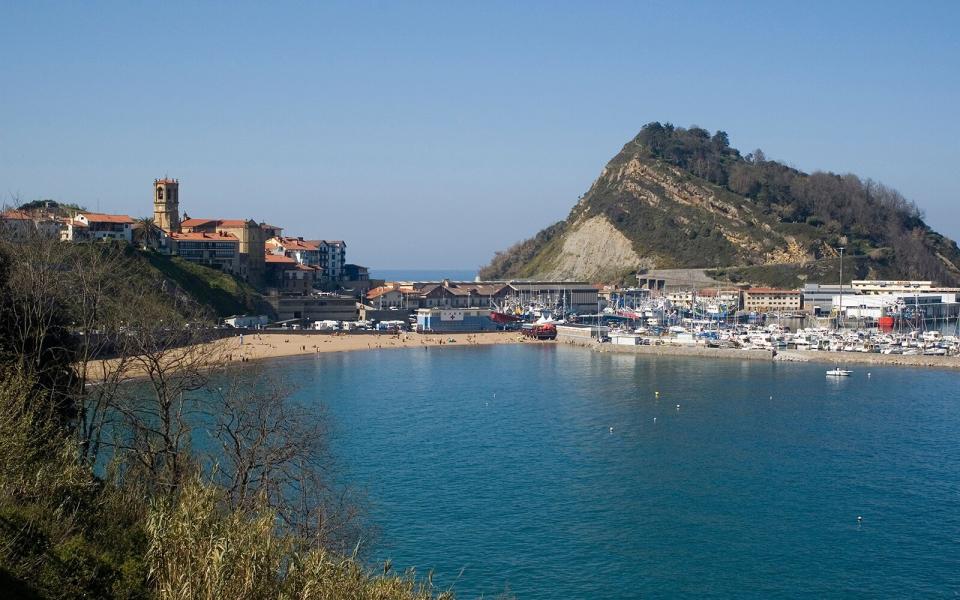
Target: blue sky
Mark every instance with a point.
(431, 134)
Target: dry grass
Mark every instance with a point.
(199, 550)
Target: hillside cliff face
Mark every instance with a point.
(677, 197)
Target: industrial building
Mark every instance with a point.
(452, 320)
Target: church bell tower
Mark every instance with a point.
(166, 204)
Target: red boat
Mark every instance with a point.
(503, 318)
(540, 331)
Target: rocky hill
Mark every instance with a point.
(676, 197)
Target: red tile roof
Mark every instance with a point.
(234, 223)
(15, 215)
(386, 289)
(278, 259)
(380, 291)
(103, 218)
(291, 243)
(195, 222)
(225, 223)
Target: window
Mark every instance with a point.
(159, 193)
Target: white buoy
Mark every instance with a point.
(859, 519)
(868, 374)
(654, 419)
(611, 430)
(678, 407)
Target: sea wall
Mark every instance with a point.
(844, 358)
(865, 358)
(671, 350)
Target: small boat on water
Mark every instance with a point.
(838, 372)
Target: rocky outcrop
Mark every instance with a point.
(646, 212)
(594, 249)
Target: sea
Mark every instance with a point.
(423, 274)
(549, 471)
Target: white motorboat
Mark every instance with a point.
(838, 373)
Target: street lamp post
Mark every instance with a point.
(840, 311)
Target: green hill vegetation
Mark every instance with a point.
(223, 293)
(676, 197)
(62, 209)
(106, 490)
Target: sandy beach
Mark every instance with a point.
(268, 345)
(259, 346)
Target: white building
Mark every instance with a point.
(870, 286)
(330, 255)
(17, 224)
(247, 321)
(874, 306)
(107, 227)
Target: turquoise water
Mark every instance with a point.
(496, 467)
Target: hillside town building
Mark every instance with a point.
(18, 224)
(285, 275)
(329, 255)
(250, 238)
(73, 230)
(107, 227)
(219, 250)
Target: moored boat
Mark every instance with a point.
(503, 318)
(540, 331)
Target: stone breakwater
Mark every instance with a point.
(846, 358)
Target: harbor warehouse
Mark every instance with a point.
(579, 297)
(454, 319)
(769, 299)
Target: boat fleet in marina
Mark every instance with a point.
(775, 337)
(658, 321)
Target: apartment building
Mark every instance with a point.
(219, 250)
(772, 300)
(326, 254)
(107, 227)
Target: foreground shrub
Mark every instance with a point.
(198, 549)
(63, 533)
